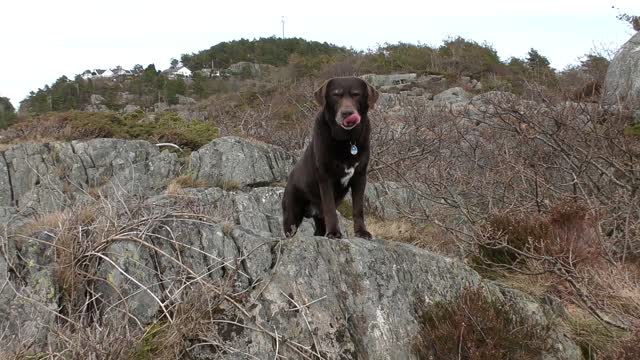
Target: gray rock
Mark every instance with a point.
(243, 67)
(388, 80)
(413, 92)
(622, 82)
(96, 108)
(48, 177)
(362, 294)
(232, 161)
(452, 96)
(185, 100)
(433, 83)
(28, 308)
(95, 99)
(130, 109)
(159, 107)
(125, 98)
(189, 114)
(392, 200)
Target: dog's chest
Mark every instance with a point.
(347, 173)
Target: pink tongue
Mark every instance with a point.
(353, 119)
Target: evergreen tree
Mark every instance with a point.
(7, 112)
(537, 62)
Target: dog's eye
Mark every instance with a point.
(355, 95)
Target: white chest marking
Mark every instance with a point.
(348, 173)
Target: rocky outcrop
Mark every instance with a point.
(454, 95)
(348, 299)
(249, 68)
(139, 260)
(48, 177)
(389, 80)
(129, 109)
(236, 162)
(622, 82)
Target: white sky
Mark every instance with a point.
(43, 40)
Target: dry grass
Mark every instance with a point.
(195, 322)
(427, 237)
(596, 340)
(228, 185)
(182, 182)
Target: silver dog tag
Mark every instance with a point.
(354, 149)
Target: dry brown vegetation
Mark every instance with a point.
(479, 328)
(537, 191)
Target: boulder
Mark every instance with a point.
(248, 68)
(389, 80)
(159, 107)
(185, 100)
(129, 109)
(96, 108)
(124, 98)
(232, 161)
(454, 95)
(96, 99)
(48, 177)
(622, 82)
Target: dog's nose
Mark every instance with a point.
(346, 113)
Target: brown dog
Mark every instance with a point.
(335, 161)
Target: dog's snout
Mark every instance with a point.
(346, 113)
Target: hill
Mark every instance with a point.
(273, 51)
(225, 67)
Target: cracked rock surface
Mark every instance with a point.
(145, 249)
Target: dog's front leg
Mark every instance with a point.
(358, 184)
(329, 209)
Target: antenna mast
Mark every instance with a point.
(282, 19)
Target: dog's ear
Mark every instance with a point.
(372, 95)
(321, 93)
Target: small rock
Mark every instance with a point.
(185, 100)
(130, 109)
(96, 99)
(453, 96)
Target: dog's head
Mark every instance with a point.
(347, 100)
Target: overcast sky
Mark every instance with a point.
(43, 40)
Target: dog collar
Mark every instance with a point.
(354, 149)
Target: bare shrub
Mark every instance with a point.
(565, 234)
(532, 186)
(281, 115)
(477, 327)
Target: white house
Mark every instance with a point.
(107, 73)
(87, 74)
(119, 71)
(183, 71)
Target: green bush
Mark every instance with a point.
(633, 130)
(7, 113)
(74, 125)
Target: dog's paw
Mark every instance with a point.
(364, 234)
(334, 235)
